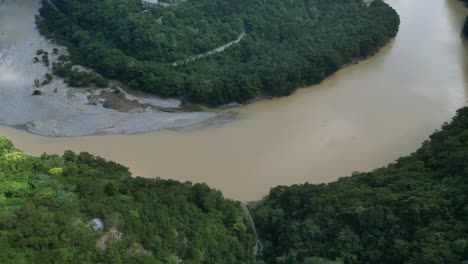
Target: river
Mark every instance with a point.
(361, 118)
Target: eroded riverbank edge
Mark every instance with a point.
(60, 111)
(131, 114)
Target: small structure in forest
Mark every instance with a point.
(97, 224)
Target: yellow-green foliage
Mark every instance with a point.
(55, 171)
(5, 144)
(41, 212)
(14, 188)
(15, 155)
(239, 225)
(46, 193)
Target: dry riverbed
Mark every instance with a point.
(66, 111)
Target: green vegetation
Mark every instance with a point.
(63, 68)
(288, 44)
(37, 92)
(412, 211)
(47, 203)
(77, 78)
(45, 59)
(48, 79)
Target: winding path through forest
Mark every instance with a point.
(215, 50)
(191, 58)
(55, 7)
(258, 249)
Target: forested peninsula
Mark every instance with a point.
(216, 51)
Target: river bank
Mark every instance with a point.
(62, 111)
(361, 118)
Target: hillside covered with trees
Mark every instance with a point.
(412, 211)
(156, 48)
(47, 204)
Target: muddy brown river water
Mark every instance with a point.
(363, 117)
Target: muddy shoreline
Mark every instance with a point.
(62, 111)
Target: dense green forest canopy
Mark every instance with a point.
(47, 203)
(412, 211)
(283, 44)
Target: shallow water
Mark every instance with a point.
(363, 117)
(62, 111)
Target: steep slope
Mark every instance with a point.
(287, 44)
(412, 211)
(47, 204)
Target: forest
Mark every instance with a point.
(156, 48)
(47, 204)
(415, 210)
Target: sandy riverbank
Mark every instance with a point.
(65, 111)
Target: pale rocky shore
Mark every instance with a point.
(62, 111)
